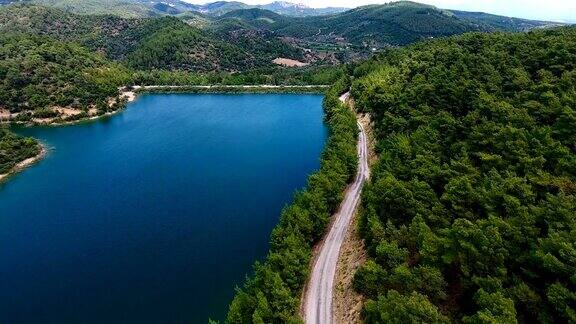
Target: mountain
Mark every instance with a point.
(166, 9)
(144, 43)
(368, 26)
(180, 35)
(396, 23)
(122, 8)
(221, 7)
(153, 8)
(376, 26)
(217, 35)
(459, 225)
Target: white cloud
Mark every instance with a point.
(532, 9)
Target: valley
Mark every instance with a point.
(174, 162)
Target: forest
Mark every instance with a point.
(167, 43)
(469, 214)
(37, 72)
(55, 58)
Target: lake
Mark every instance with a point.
(155, 214)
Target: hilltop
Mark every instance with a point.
(373, 27)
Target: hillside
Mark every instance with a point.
(164, 42)
(155, 8)
(395, 24)
(37, 73)
(374, 26)
(121, 8)
(469, 216)
(216, 36)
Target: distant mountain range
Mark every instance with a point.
(233, 36)
(280, 7)
(147, 8)
(152, 8)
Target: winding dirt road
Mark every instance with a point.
(319, 293)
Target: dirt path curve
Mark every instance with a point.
(319, 293)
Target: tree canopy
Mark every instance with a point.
(38, 72)
(470, 215)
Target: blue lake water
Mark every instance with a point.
(153, 215)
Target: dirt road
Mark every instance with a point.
(318, 296)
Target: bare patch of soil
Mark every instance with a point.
(288, 62)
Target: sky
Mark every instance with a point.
(557, 10)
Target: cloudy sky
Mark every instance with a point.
(560, 10)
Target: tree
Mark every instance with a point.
(396, 308)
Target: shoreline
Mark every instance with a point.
(327, 279)
(128, 94)
(224, 89)
(247, 87)
(22, 165)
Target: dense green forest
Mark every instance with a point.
(37, 72)
(272, 293)
(397, 23)
(101, 53)
(14, 148)
(243, 39)
(163, 43)
(470, 215)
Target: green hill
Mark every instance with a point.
(469, 214)
(397, 23)
(222, 7)
(165, 42)
(171, 44)
(378, 26)
(233, 40)
(37, 72)
(147, 8)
